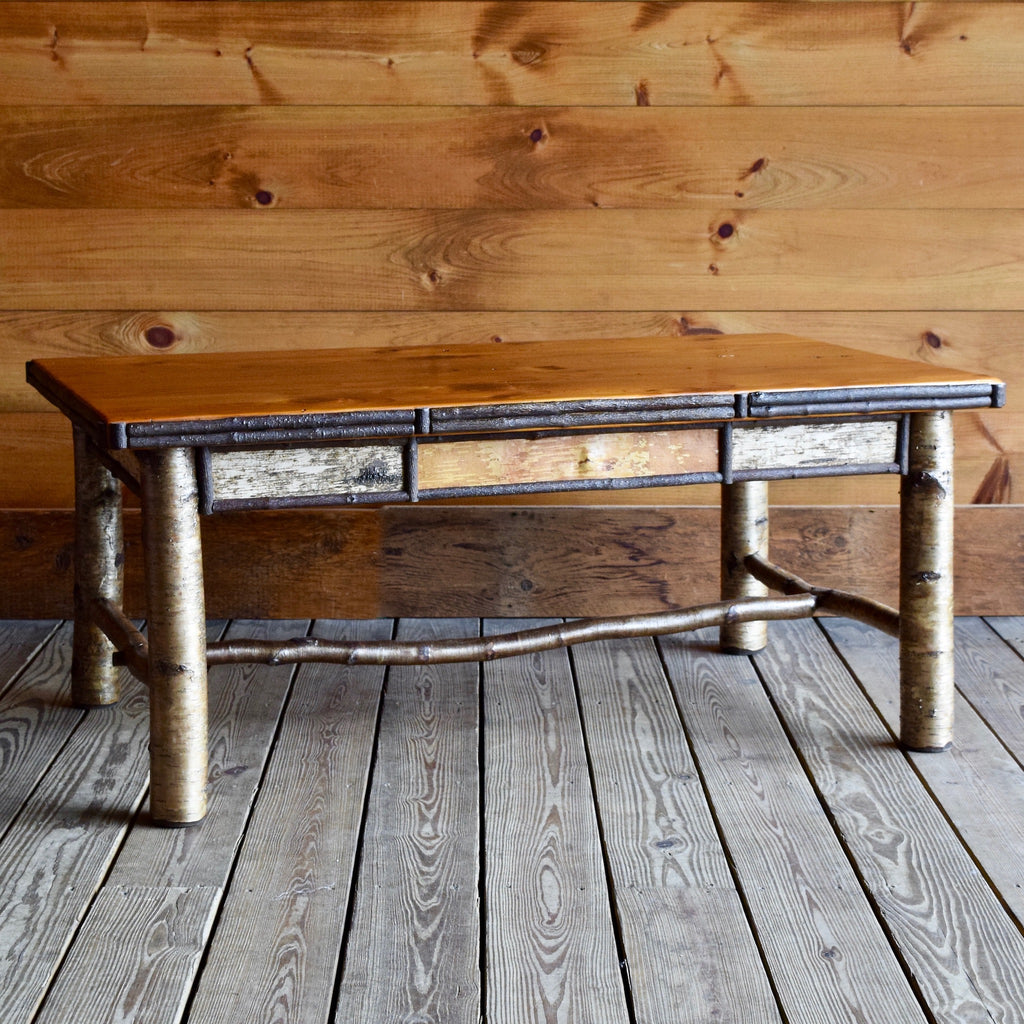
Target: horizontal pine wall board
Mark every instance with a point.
(508, 561)
(543, 53)
(118, 157)
(538, 259)
(234, 175)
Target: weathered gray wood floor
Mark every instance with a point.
(635, 832)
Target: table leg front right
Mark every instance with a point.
(926, 585)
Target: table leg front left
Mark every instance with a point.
(177, 636)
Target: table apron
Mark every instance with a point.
(381, 471)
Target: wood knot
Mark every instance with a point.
(528, 54)
(160, 336)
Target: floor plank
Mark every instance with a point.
(827, 955)
(134, 958)
(245, 705)
(36, 721)
(992, 679)
(978, 784)
(939, 910)
(551, 949)
(19, 642)
(60, 846)
(284, 917)
(631, 833)
(690, 951)
(413, 953)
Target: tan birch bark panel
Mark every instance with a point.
(450, 260)
(333, 157)
(585, 457)
(813, 445)
(305, 472)
(537, 53)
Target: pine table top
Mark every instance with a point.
(117, 398)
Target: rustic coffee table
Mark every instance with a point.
(195, 434)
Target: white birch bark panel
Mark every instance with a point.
(810, 445)
(305, 472)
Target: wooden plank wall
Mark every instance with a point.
(229, 175)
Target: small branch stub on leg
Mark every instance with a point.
(744, 532)
(926, 585)
(99, 567)
(177, 637)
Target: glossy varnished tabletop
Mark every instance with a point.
(113, 392)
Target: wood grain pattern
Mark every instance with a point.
(978, 340)
(988, 443)
(37, 720)
(534, 53)
(287, 905)
(584, 457)
(420, 960)
(18, 642)
(838, 754)
(977, 783)
(674, 893)
(879, 201)
(66, 838)
(432, 260)
(922, 881)
(211, 386)
(499, 157)
(139, 948)
(511, 561)
(544, 869)
(993, 687)
(821, 941)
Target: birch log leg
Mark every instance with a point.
(926, 585)
(177, 637)
(99, 561)
(744, 532)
